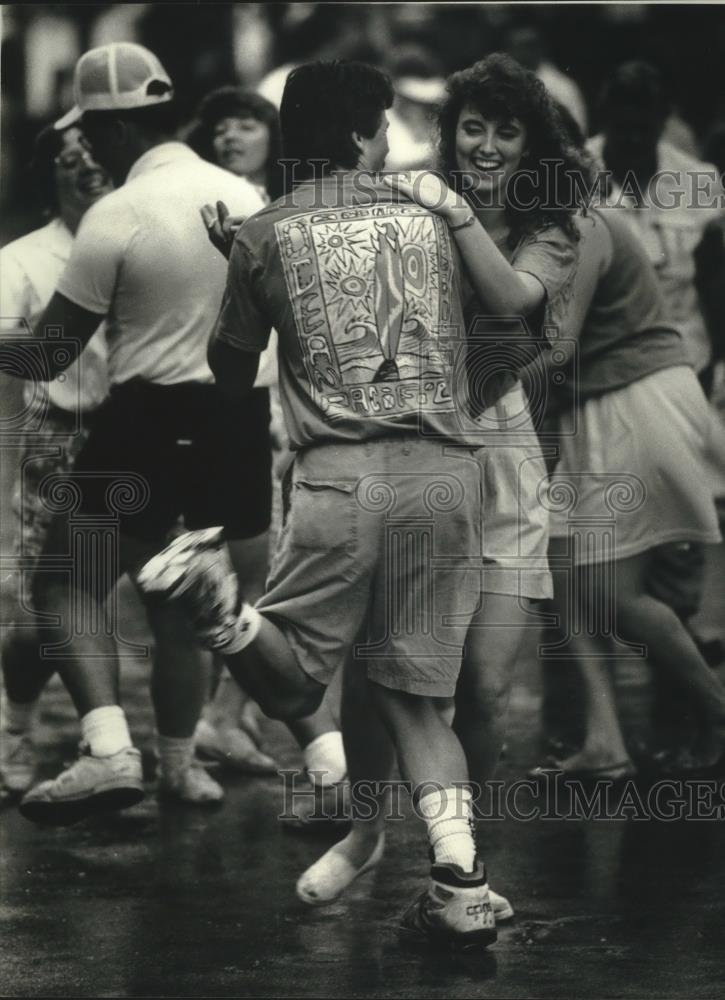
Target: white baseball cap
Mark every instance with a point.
(428, 90)
(117, 77)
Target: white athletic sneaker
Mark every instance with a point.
(232, 747)
(193, 785)
(502, 909)
(18, 761)
(89, 786)
(195, 569)
(455, 909)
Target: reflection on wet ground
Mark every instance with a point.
(174, 901)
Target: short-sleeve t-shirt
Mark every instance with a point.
(685, 196)
(623, 329)
(142, 258)
(363, 288)
(501, 346)
(29, 271)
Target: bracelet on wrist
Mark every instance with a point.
(463, 225)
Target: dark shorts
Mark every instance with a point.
(157, 453)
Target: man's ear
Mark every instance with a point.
(358, 140)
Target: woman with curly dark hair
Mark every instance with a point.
(239, 130)
(537, 177)
(512, 183)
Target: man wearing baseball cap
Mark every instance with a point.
(166, 444)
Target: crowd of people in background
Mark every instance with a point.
(286, 612)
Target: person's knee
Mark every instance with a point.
(486, 698)
(637, 613)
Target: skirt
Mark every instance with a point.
(632, 472)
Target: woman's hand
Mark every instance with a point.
(429, 190)
(221, 227)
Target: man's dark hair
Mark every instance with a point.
(634, 84)
(322, 105)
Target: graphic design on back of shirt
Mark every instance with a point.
(370, 290)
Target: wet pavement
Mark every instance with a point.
(165, 900)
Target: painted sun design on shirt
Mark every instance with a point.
(348, 290)
(341, 244)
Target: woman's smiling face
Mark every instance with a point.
(489, 150)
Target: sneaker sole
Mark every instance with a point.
(449, 942)
(171, 797)
(69, 811)
(241, 766)
(158, 565)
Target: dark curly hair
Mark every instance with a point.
(234, 102)
(555, 178)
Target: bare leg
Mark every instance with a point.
(493, 643)
(180, 674)
(427, 748)
(322, 721)
(370, 757)
(604, 744)
(370, 760)
(24, 671)
(643, 618)
(603, 741)
(268, 670)
(249, 557)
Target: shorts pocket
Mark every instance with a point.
(323, 515)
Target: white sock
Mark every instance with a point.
(19, 717)
(175, 754)
(447, 814)
(105, 730)
(325, 759)
(245, 631)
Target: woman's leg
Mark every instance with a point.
(493, 644)
(603, 745)
(370, 762)
(641, 617)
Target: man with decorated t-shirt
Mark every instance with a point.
(384, 531)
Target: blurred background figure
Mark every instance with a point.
(419, 87)
(239, 130)
(66, 182)
(309, 31)
(527, 46)
(670, 200)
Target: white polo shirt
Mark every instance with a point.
(142, 258)
(29, 271)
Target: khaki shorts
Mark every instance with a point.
(386, 533)
(516, 536)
